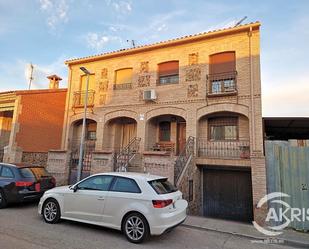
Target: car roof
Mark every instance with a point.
(21, 165)
(141, 176)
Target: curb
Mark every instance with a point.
(287, 242)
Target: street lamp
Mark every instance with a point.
(82, 140)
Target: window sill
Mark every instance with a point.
(222, 94)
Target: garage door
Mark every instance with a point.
(227, 194)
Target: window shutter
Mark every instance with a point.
(91, 85)
(168, 68)
(124, 76)
(222, 63)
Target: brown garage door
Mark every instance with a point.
(227, 194)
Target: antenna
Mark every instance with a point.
(240, 21)
(31, 75)
(132, 43)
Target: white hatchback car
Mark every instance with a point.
(137, 204)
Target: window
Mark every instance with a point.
(91, 84)
(165, 131)
(222, 73)
(168, 72)
(123, 79)
(101, 183)
(7, 173)
(91, 135)
(162, 186)
(26, 172)
(223, 129)
(123, 184)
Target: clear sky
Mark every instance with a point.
(48, 32)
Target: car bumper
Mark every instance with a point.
(164, 222)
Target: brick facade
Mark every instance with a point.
(188, 100)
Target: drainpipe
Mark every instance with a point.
(252, 116)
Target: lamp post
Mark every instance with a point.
(82, 140)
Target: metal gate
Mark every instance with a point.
(227, 194)
(287, 167)
(86, 164)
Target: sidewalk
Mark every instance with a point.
(290, 237)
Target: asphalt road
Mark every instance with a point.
(22, 228)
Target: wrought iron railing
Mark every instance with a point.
(183, 158)
(124, 156)
(223, 149)
(79, 99)
(222, 83)
(123, 86)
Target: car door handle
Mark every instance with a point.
(101, 198)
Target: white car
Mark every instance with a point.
(137, 204)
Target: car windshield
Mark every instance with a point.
(162, 186)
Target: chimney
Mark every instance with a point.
(54, 81)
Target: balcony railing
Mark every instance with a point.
(222, 83)
(123, 86)
(223, 149)
(79, 99)
(166, 80)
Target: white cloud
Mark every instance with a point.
(99, 41)
(120, 6)
(56, 11)
(16, 74)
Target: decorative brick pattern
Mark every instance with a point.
(193, 59)
(36, 158)
(143, 80)
(193, 91)
(144, 67)
(193, 74)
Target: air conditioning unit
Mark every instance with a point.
(149, 95)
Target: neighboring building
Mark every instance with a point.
(286, 128)
(31, 123)
(187, 108)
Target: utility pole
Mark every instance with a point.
(31, 76)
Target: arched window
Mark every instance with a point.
(168, 72)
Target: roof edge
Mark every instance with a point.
(157, 45)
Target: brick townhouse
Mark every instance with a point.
(187, 108)
(31, 123)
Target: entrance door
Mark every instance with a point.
(227, 194)
(128, 133)
(181, 137)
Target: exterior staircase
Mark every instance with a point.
(135, 165)
(126, 155)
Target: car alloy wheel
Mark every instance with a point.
(51, 211)
(135, 228)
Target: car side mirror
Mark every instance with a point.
(75, 188)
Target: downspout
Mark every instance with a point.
(252, 117)
(65, 125)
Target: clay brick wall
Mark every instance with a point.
(40, 121)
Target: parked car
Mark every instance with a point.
(19, 183)
(137, 204)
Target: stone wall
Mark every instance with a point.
(160, 164)
(58, 165)
(102, 161)
(36, 158)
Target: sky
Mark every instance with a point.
(48, 32)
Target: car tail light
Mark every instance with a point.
(38, 187)
(53, 180)
(161, 203)
(23, 184)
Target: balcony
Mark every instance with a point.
(224, 149)
(124, 86)
(222, 84)
(79, 99)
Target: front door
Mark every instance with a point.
(128, 133)
(181, 137)
(87, 203)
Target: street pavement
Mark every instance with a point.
(22, 228)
